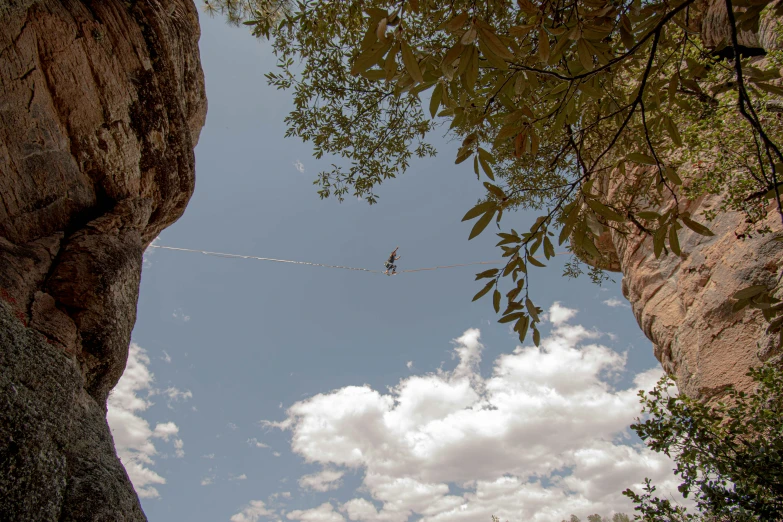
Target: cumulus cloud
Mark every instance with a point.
(325, 480)
(252, 512)
(298, 165)
(613, 302)
(133, 437)
(559, 314)
(323, 513)
(543, 437)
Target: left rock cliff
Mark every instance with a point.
(101, 105)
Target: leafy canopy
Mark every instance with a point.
(603, 115)
(729, 455)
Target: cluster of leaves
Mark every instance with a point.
(729, 454)
(590, 111)
(760, 297)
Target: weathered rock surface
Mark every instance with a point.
(101, 105)
(684, 304)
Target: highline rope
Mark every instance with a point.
(237, 256)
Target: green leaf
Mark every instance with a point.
(543, 45)
(370, 57)
(658, 241)
(536, 336)
(644, 159)
(494, 190)
(463, 154)
(549, 249)
(531, 309)
(437, 96)
(481, 224)
(496, 300)
(511, 317)
(585, 54)
(573, 216)
(471, 73)
(604, 211)
(479, 209)
(487, 273)
(671, 175)
(749, 292)
(521, 327)
(457, 22)
(411, 65)
(486, 167)
(535, 262)
(484, 290)
(674, 243)
(674, 134)
(491, 57)
(696, 227)
(739, 305)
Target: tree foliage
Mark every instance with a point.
(728, 454)
(600, 114)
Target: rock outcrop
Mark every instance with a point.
(101, 105)
(683, 304)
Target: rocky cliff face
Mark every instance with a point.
(101, 104)
(683, 304)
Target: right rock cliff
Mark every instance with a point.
(684, 303)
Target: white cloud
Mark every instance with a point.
(149, 252)
(178, 447)
(559, 314)
(252, 512)
(543, 437)
(206, 481)
(276, 453)
(254, 442)
(179, 314)
(615, 303)
(238, 477)
(232, 426)
(409, 364)
(209, 456)
(323, 513)
(325, 480)
(298, 165)
(165, 430)
(166, 357)
(176, 395)
(133, 437)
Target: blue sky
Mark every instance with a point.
(264, 391)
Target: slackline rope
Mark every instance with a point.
(236, 256)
